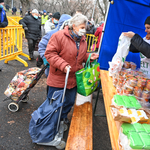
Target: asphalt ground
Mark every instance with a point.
(14, 134)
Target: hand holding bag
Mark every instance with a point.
(88, 78)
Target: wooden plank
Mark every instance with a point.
(108, 92)
(81, 129)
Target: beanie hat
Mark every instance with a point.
(56, 15)
(44, 11)
(1, 1)
(147, 21)
(35, 11)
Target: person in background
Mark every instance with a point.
(21, 10)
(28, 13)
(44, 18)
(67, 48)
(90, 29)
(78, 10)
(14, 10)
(142, 45)
(50, 16)
(32, 27)
(3, 18)
(98, 34)
(43, 43)
(7, 7)
(40, 16)
(52, 23)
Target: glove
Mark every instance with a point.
(2, 24)
(25, 28)
(45, 62)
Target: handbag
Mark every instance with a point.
(88, 78)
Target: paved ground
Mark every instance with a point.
(14, 126)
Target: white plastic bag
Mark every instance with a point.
(120, 55)
(80, 99)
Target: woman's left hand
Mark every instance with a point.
(129, 34)
(94, 56)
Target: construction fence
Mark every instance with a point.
(11, 42)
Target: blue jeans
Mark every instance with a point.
(68, 101)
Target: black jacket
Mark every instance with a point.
(139, 45)
(14, 9)
(90, 29)
(5, 22)
(33, 25)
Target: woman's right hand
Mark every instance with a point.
(66, 68)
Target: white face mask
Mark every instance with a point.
(81, 32)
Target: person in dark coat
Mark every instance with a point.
(7, 7)
(142, 45)
(32, 27)
(90, 29)
(14, 10)
(3, 18)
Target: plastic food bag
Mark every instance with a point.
(120, 56)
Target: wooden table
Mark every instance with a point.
(80, 135)
(108, 92)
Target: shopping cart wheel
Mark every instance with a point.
(13, 107)
(62, 145)
(65, 127)
(25, 100)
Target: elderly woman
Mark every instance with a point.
(143, 46)
(66, 48)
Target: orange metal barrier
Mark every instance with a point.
(11, 44)
(91, 42)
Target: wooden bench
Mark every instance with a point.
(108, 92)
(80, 135)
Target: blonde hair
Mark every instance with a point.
(77, 19)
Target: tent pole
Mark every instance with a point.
(104, 27)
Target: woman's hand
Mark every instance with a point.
(129, 34)
(94, 56)
(66, 68)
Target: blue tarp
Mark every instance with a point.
(123, 16)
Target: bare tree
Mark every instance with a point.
(25, 4)
(70, 7)
(102, 5)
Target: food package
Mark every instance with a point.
(130, 65)
(148, 84)
(21, 81)
(120, 56)
(134, 136)
(120, 101)
(129, 115)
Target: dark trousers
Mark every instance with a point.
(31, 45)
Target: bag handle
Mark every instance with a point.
(88, 62)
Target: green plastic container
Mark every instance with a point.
(118, 100)
(138, 127)
(145, 139)
(135, 140)
(146, 127)
(127, 127)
